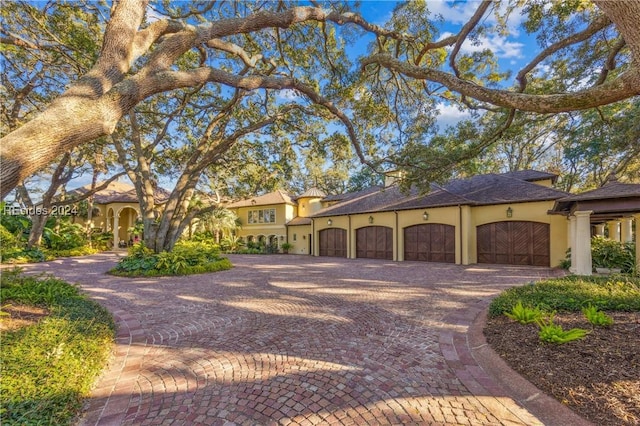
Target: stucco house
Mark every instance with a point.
(513, 218)
(117, 209)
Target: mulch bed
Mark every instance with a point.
(18, 316)
(598, 377)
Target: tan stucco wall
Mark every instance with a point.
(465, 219)
(308, 206)
(534, 212)
(301, 243)
(284, 213)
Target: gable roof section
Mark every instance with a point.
(366, 201)
(119, 192)
(499, 189)
(531, 175)
(276, 197)
(476, 191)
(612, 197)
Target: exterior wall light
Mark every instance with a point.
(370, 219)
(329, 222)
(509, 212)
(425, 216)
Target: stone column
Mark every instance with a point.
(614, 230)
(583, 243)
(625, 230)
(572, 242)
(600, 229)
(116, 230)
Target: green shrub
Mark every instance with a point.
(607, 253)
(553, 333)
(49, 367)
(572, 293)
(524, 314)
(187, 257)
(597, 317)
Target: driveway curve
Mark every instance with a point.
(297, 340)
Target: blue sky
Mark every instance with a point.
(513, 50)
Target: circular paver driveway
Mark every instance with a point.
(297, 340)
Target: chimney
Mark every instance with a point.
(391, 177)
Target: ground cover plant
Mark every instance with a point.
(49, 365)
(63, 239)
(186, 258)
(596, 371)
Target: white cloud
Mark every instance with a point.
(288, 94)
(499, 45)
(450, 115)
(460, 12)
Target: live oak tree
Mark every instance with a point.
(140, 58)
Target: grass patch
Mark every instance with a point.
(49, 367)
(572, 294)
(187, 258)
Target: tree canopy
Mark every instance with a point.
(74, 70)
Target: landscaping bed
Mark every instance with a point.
(597, 376)
(55, 342)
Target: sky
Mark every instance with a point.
(513, 49)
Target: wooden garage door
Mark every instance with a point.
(514, 243)
(374, 242)
(333, 242)
(433, 242)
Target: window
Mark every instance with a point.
(261, 216)
(295, 237)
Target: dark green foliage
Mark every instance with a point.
(187, 257)
(607, 253)
(47, 368)
(572, 293)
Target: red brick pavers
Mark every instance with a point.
(296, 340)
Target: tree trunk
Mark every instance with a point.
(38, 223)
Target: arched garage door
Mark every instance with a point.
(431, 242)
(514, 243)
(374, 242)
(333, 242)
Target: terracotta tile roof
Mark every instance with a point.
(119, 192)
(275, 197)
(299, 221)
(312, 193)
(531, 175)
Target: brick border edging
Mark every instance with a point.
(110, 399)
(507, 381)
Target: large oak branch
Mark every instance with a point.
(623, 87)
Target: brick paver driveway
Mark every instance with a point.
(297, 340)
